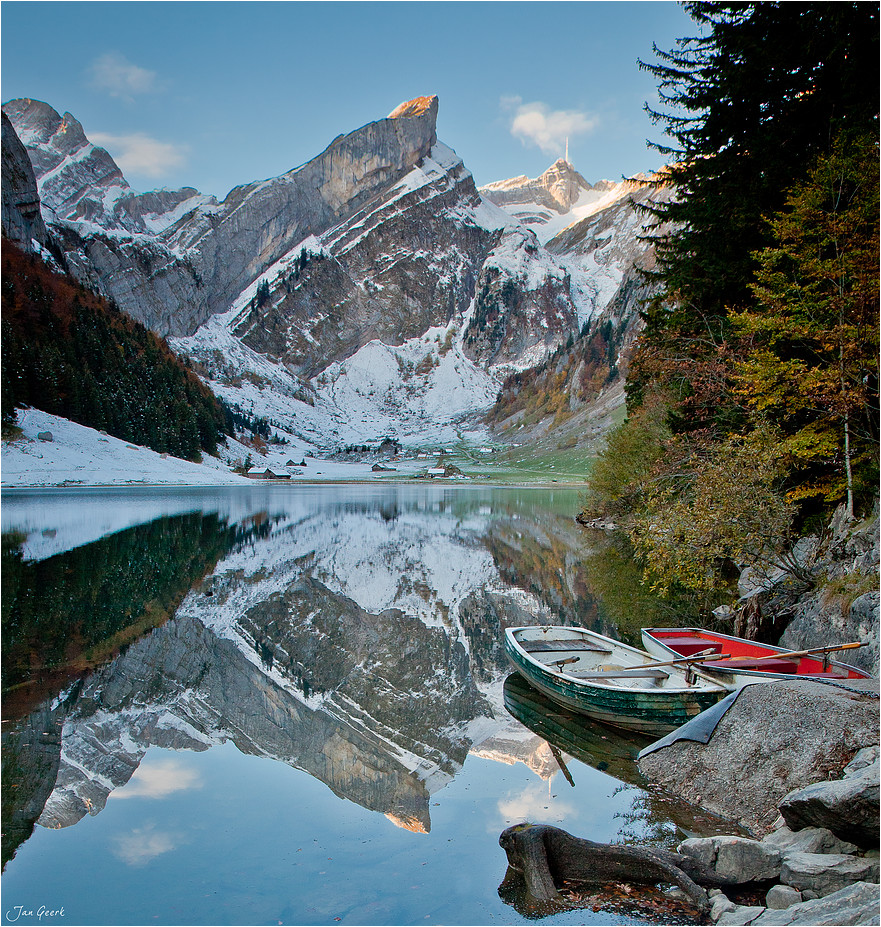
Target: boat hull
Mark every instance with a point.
(686, 641)
(654, 711)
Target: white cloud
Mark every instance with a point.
(537, 124)
(534, 804)
(158, 779)
(140, 154)
(142, 845)
(120, 78)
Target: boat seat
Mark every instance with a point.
(764, 666)
(637, 673)
(688, 646)
(554, 646)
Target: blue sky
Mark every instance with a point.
(212, 95)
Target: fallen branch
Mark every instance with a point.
(546, 856)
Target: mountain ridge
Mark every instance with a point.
(373, 290)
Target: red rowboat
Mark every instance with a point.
(748, 661)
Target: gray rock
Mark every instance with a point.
(720, 904)
(782, 896)
(702, 849)
(735, 859)
(848, 807)
(45, 436)
(825, 873)
(742, 860)
(857, 904)
(808, 840)
(821, 618)
(776, 738)
(866, 757)
(740, 915)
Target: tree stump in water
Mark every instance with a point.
(547, 856)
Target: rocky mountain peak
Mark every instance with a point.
(39, 122)
(564, 184)
(176, 257)
(552, 200)
(416, 107)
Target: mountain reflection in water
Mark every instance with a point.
(354, 633)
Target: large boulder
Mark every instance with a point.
(825, 873)
(734, 859)
(775, 738)
(808, 840)
(848, 807)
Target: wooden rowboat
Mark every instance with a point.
(747, 661)
(609, 681)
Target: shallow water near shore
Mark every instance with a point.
(290, 705)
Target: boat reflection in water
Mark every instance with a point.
(613, 752)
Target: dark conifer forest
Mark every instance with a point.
(68, 352)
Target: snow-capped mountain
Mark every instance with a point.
(553, 200)
(373, 290)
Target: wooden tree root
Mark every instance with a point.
(547, 856)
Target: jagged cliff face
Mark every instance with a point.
(523, 306)
(22, 221)
(173, 259)
(403, 264)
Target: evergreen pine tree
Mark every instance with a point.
(750, 103)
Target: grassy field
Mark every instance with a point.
(518, 464)
(531, 465)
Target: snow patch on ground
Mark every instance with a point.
(78, 456)
(81, 456)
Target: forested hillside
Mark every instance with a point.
(753, 393)
(67, 352)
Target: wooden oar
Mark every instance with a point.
(559, 758)
(697, 658)
(788, 654)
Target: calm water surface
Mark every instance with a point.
(290, 705)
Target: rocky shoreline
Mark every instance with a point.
(797, 765)
(814, 876)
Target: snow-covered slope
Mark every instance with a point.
(69, 454)
(77, 456)
(380, 324)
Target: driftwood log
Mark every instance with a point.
(546, 856)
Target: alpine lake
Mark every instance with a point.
(290, 704)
